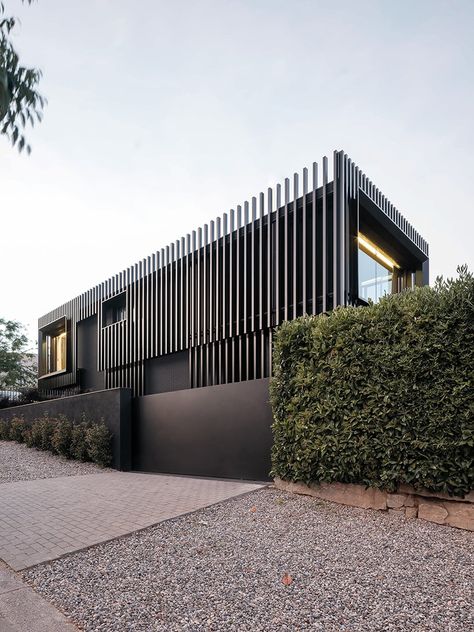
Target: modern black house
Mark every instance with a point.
(189, 328)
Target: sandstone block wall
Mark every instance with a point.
(440, 508)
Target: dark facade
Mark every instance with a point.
(201, 312)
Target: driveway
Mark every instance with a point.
(41, 520)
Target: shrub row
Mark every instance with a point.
(84, 441)
(380, 395)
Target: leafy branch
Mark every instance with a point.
(20, 102)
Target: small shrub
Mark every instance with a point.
(42, 433)
(4, 430)
(33, 436)
(98, 439)
(27, 437)
(17, 429)
(78, 441)
(62, 437)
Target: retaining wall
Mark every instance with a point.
(433, 507)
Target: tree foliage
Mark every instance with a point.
(20, 102)
(380, 395)
(17, 363)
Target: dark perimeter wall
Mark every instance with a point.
(221, 431)
(113, 405)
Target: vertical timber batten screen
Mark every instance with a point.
(217, 293)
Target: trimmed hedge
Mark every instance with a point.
(380, 395)
(84, 441)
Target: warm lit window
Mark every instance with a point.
(376, 270)
(53, 348)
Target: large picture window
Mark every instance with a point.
(53, 354)
(376, 271)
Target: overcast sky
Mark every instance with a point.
(163, 115)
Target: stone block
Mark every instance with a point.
(411, 512)
(432, 512)
(460, 515)
(395, 501)
(398, 510)
(343, 493)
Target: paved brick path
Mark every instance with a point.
(41, 520)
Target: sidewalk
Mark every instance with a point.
(23, 610)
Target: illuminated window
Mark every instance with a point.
(376, 270)
(53, 357)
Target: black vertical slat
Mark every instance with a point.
(193, 292)
(314, 245)
(245, 274)
(260, 261)
(187, 311)
(336, 229)
(205, 289)
(269, 255)
(345, 244)
(231, 272)
(171, 306)
(211, 283)
(157, 304)
(295, 246)
(182, 296)
(304, 264)
(238, 283)
(176, 296)
(199, 302)
(252, 264)
(277, 260)
(162, 302)
(325, 235)
(286, 250)
(167, 300)
(218, 280)
(225, 285)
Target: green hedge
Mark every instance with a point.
(380, 395)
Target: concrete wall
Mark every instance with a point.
(221, 431)
(113, 405)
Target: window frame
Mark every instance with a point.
(54, 329)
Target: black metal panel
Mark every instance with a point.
(222, 431)
(167, 373)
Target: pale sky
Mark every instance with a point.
(163, 115)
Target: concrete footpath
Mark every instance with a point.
(23, 610)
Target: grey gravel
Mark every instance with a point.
(221, 569)
(20, 463)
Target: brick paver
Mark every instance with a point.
(41, 520)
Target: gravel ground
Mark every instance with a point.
(221, 569)
(20, 463)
